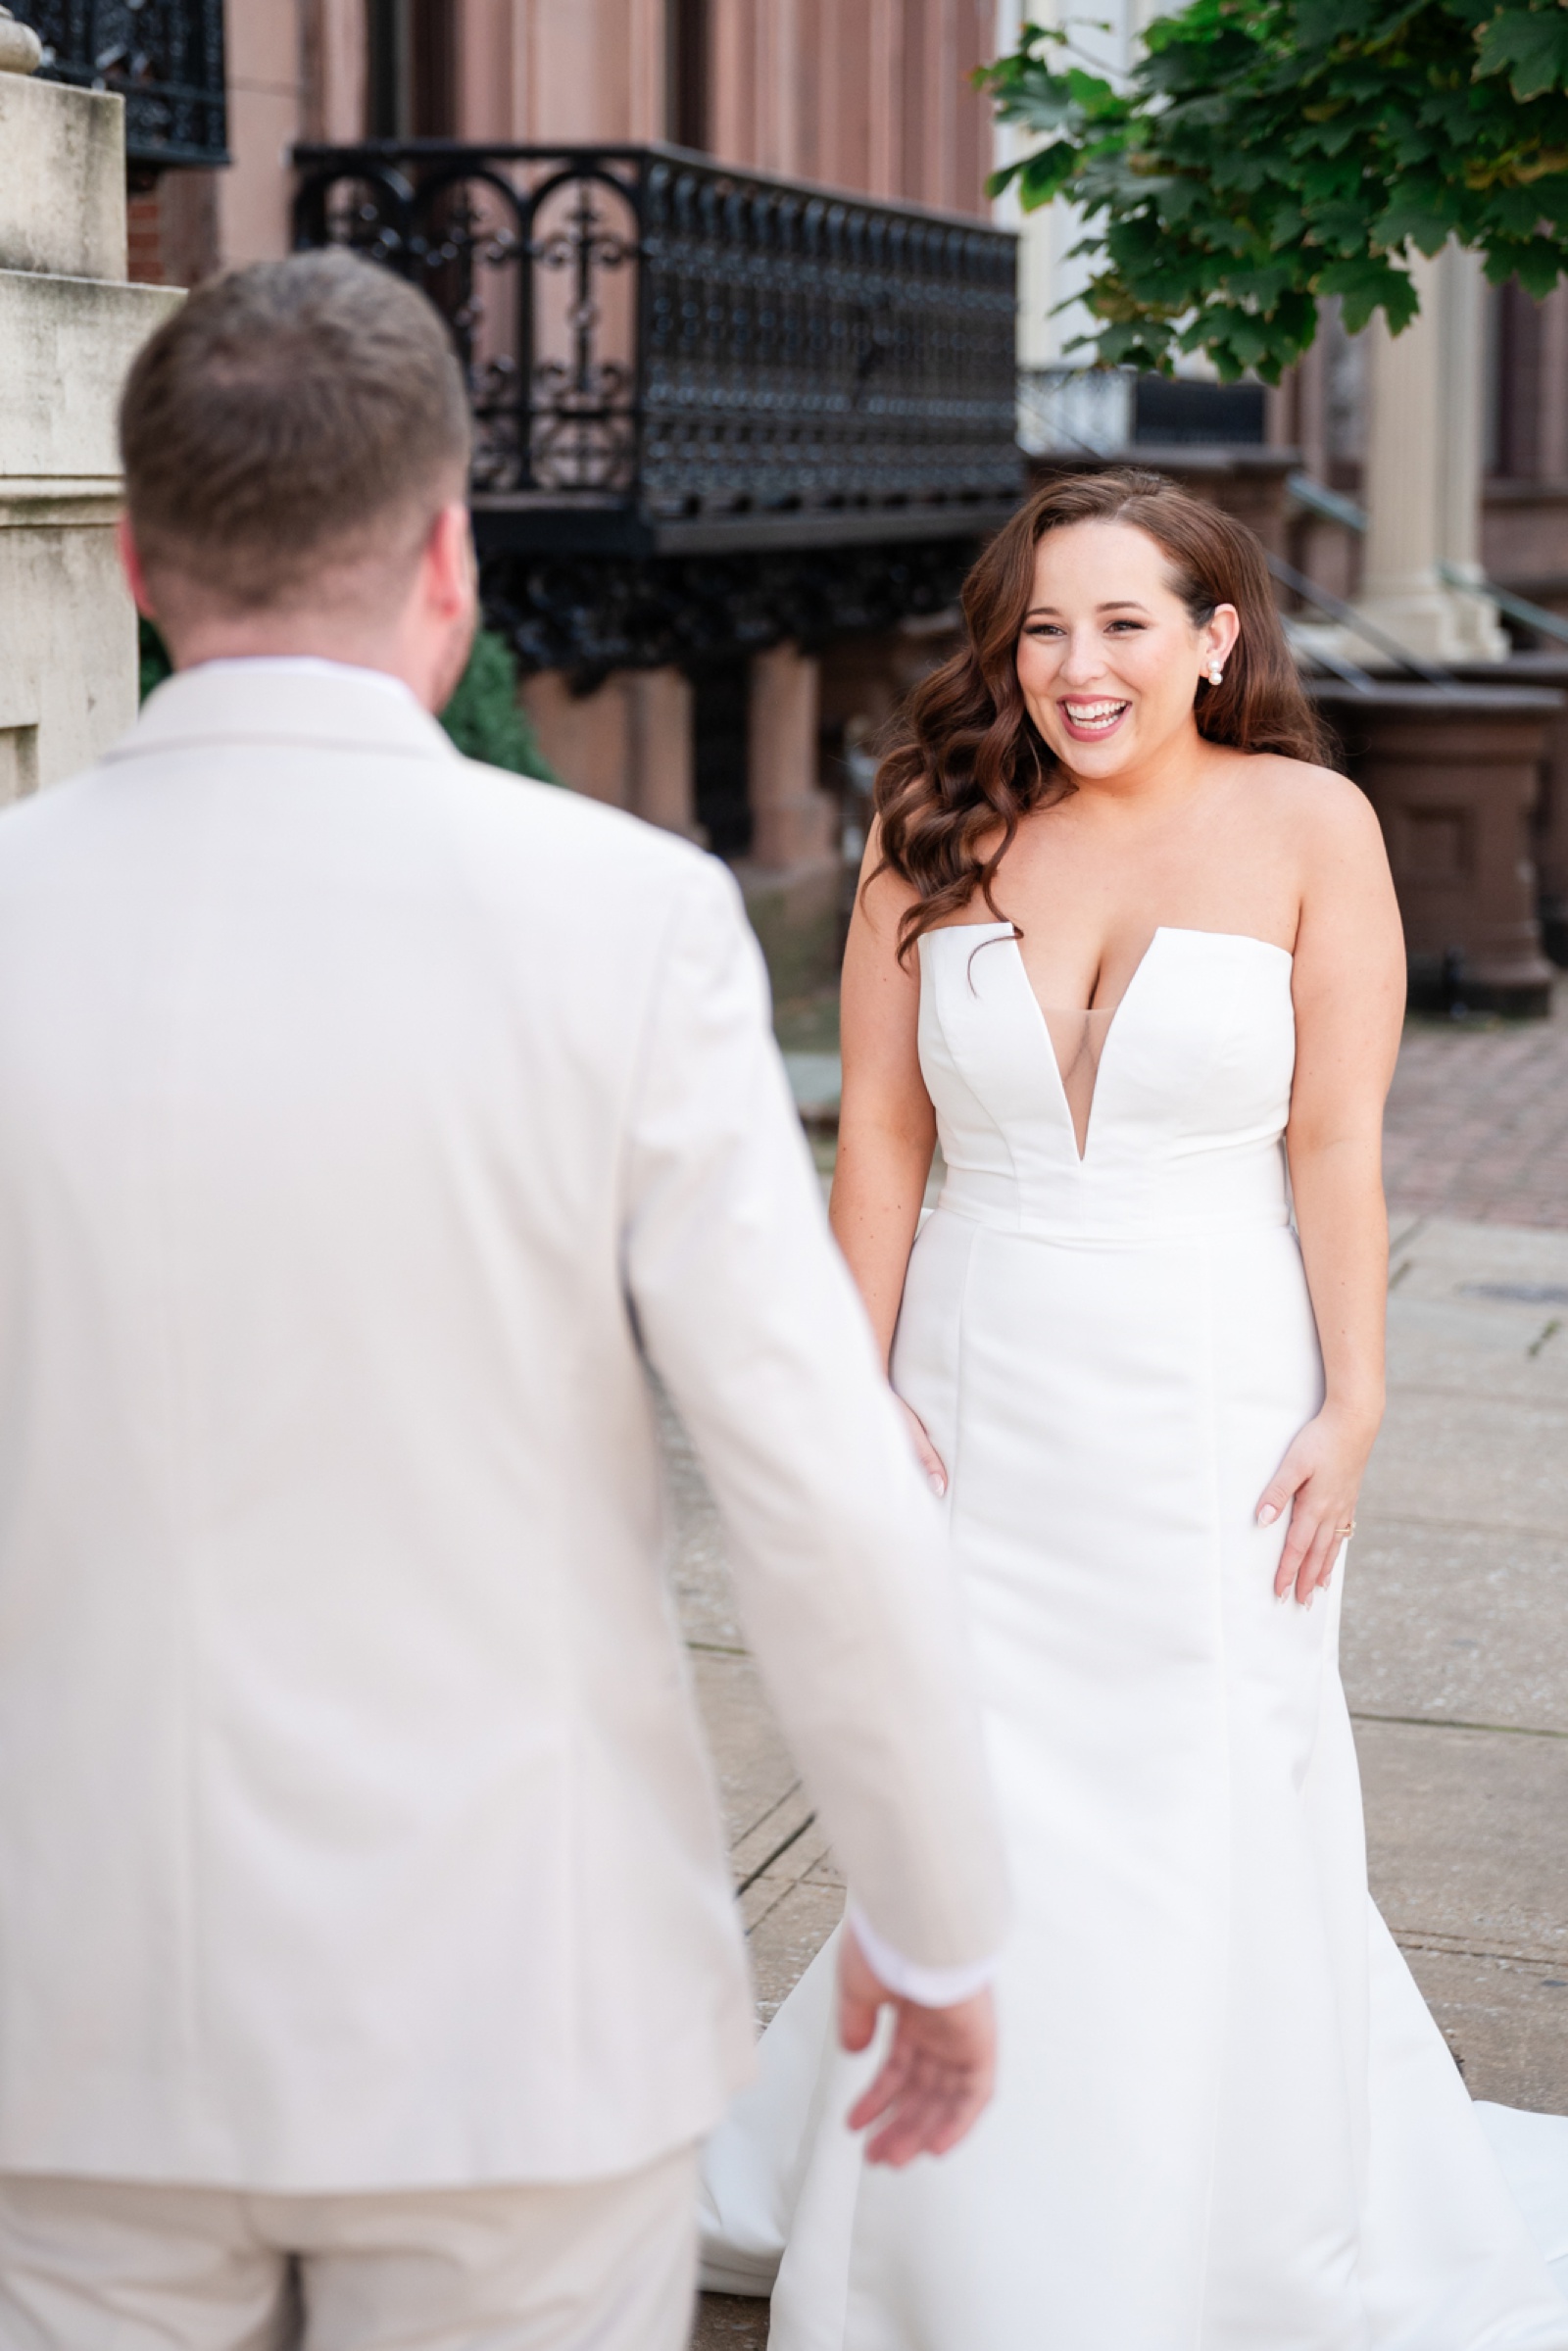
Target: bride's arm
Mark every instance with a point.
(1348, 987)
(887, 1127)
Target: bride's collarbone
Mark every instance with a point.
(1087, 907)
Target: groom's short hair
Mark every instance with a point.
(291, 418)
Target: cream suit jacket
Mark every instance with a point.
(368, 1120)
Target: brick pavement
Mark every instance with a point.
(1478, 1120)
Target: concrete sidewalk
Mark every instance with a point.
(1456, 1657)
(1457, 1645)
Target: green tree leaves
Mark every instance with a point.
(1267, 153)
(1528, 44)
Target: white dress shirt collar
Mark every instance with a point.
(304, 664)
(293, 698)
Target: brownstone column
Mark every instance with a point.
(659, 744)
(629, 742)
(1547, 668)
(794, 819)
(794, 876)
(583, 736)
(1454, 778)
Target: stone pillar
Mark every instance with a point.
(1463, 419)
(793, 819)
(793, 877)
(1550, 827)
(70, 326)
(629, 742)
(1423, 472)
(583, 736)
(661, 775)
(1454, 775)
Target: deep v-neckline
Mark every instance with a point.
(1007, 934)
(1066, 1011)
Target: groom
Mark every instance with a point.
(369, 1122)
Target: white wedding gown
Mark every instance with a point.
(1225, 2121)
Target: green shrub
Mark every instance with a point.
(483, 717)
(154, 657)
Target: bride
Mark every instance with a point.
(1131, 954)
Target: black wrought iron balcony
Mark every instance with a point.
(164, 57)
(668, 356)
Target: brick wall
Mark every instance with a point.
(145, 237)
(172, 229)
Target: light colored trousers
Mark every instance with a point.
(93, 2265)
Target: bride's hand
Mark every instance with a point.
(1319, 1479)
(929, 1458)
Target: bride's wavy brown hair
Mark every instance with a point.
(966, 756)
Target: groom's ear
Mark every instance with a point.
(446, 597)
(130, 564)
(450, 569)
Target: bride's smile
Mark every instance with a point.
(1109, 656)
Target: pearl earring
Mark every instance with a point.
(1216, 675)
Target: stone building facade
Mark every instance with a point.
(862, 94)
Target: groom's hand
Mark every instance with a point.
(939, 2073)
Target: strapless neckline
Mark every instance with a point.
(1077, 1059)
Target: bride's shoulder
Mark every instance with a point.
(1320, 809)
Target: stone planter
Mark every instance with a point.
(1550, 670)
(1454, 777)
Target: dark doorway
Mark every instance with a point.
(412, 82)
(721, 707)
(1516, 385)
(386, 68)
(687, 54)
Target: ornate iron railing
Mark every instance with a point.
(667, 354)
(164, 57)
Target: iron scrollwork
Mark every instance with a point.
(164, 57)
(534, 270)
(590, 618)
(649, 331)
(807, 350)
(584, 406)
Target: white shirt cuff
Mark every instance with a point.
(927, 1986)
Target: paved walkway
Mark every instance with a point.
(1478, 1120)
(1455, 1646)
